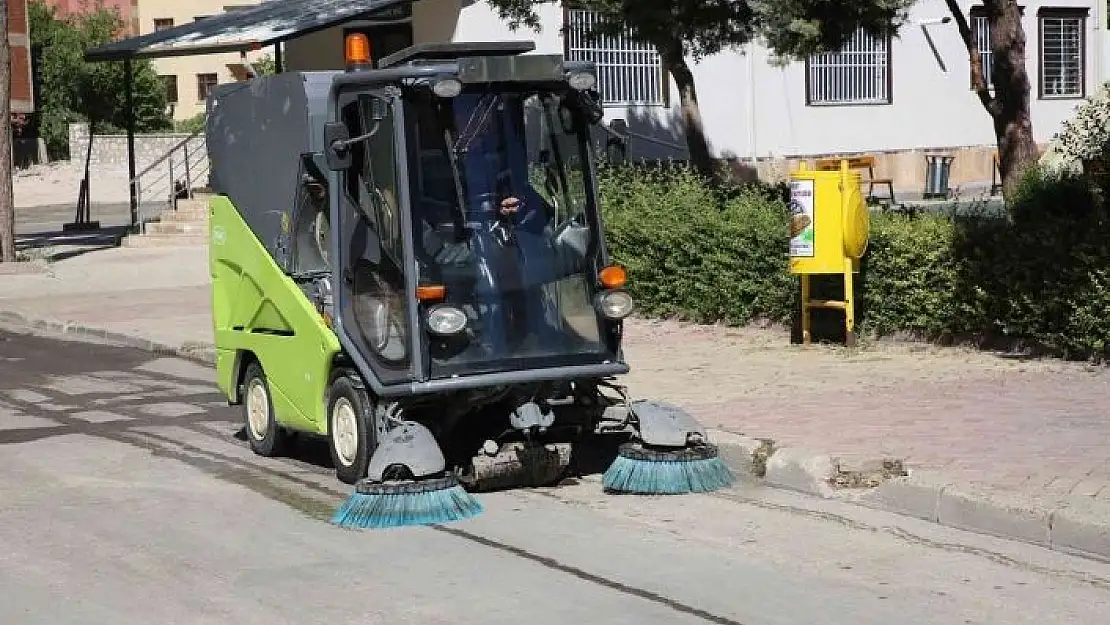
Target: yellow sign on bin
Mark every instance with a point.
(829, 232)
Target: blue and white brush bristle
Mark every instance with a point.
(384, 507)
(666, 474)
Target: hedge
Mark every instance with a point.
(1037, 277)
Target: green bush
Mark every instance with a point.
(692, 256)
(1038, 276)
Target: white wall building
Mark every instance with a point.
(909, 94)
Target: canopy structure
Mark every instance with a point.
(243, 30)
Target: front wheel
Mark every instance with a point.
(266, 437)
(351, 438)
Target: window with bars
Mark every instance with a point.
(628, 72)
(981, 31)
(859, 73)
(1062, 61)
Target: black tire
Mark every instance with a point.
(256, 394)
(354, 442)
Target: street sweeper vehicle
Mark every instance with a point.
(408, 259)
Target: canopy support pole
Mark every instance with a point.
(129, 87)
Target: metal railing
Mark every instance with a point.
(173, 175)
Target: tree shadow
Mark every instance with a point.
(654, 136)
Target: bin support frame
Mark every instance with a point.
(848, 267)
(847, 305)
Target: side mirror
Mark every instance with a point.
(589, 103)
(336, 152)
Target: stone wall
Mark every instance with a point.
(110, 152)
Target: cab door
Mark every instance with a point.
(375, 313)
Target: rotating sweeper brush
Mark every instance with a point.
(669, 455)
(409, 261)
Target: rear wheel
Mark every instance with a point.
(351, 437)
(265, 436)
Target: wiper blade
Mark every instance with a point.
(482, 122)
(456, 175)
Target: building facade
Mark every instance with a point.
(127, 10)
(22, 98)
(189, 79)
(898, 99)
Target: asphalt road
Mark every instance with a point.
(126, 498)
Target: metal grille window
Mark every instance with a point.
(858, 74)
(629, 72)
(981, 30)
(1062, 59)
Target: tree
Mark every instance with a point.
(7, 201)
(73, 89)
(685, 30)
(266, 65)
(1008, 107)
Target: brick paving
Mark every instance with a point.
(1039, 426)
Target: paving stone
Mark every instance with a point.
(1037, 427)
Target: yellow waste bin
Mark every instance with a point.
(829, 232)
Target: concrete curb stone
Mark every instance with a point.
(1080, 528)
(204, 354)
(743, 454)
(802, 470)
(917, 495)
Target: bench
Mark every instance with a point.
(861, 162)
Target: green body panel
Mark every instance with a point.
(258, 309)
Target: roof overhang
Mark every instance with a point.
(247, 29)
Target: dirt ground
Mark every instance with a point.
(57, 183)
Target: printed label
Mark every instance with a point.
(801, 218)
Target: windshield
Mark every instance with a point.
(503, 220)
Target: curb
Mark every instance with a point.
(1080, 528)
(202, 353)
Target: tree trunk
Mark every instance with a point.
(7, 203)
(1009, 105)
(1013, 126)
(673, 55)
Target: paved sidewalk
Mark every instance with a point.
(1039, 430)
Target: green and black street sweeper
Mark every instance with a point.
(408, 259)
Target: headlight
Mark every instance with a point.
(445, 320)
(582, 80)
(447, 87)
(615, 304)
